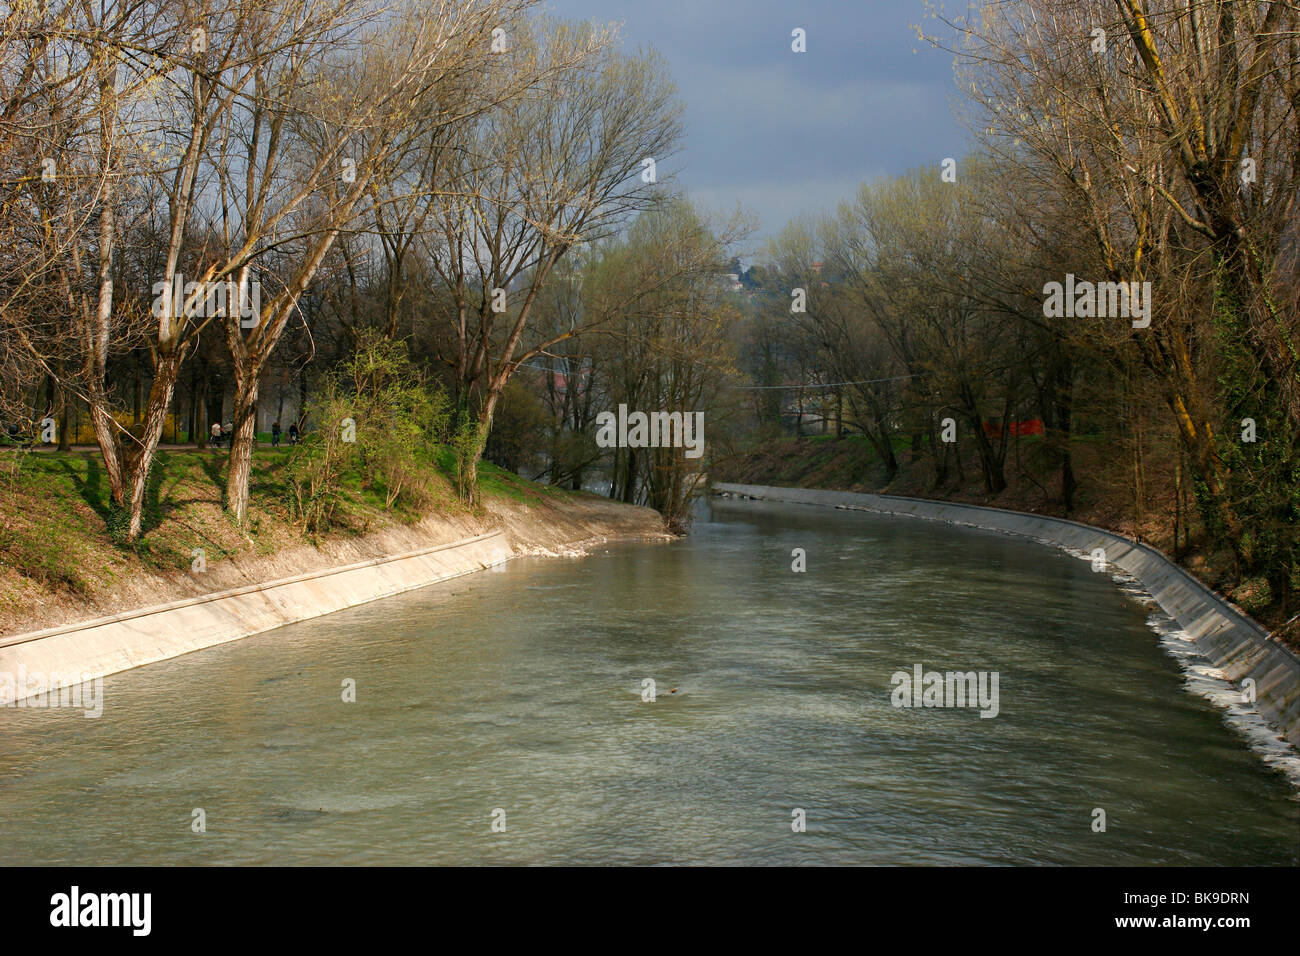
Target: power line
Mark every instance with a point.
(867, 381)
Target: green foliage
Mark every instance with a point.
(467, 443)
(520, 427)
(117, 520)
(1253, 594)
(493, 480)
(375, 416)
(1263, 475)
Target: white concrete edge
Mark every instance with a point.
(66, 656)
(233, 592)
(1232, 641)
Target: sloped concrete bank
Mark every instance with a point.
(253, 593)
(73, 653)
(1229, 639)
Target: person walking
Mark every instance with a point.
(275, 434)
(293, 433)
(216, 434)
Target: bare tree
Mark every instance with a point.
(560, 165)
(320, 122)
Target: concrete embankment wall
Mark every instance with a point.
(110, 644)
(1233, 642)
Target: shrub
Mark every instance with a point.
(373, 413)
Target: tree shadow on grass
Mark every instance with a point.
(268, 480)
(159, 506)
(209, 465)
(156, 508)
(92, 489)
(212, 467)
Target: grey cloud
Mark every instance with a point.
(787, 133)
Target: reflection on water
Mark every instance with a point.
(522, 691)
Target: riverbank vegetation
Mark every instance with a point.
(1098, 311)
(442, 240)
(206, 210)
(61, 547)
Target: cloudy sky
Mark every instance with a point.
(787, 134)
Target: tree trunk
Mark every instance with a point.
(240, 464)
(940, 459)
(140, 456)
(198, 396)
(885, 445)
(216, 404)
(468, 455)
(629, 479)
(110, 447)
(995, 481)
(614, 474)
(137, 391)
(1062, 409)
(65, 433)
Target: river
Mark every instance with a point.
(499, 718)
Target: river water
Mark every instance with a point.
(521, 691)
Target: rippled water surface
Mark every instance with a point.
(521, 690)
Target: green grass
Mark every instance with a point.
(62, 537)
(496, 481)
(61, 487)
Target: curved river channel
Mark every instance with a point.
(521, 691)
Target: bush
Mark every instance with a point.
(376, 415)
(1253, 595)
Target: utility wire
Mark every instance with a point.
(867, 381)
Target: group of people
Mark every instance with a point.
(220, 434)
(275, 434)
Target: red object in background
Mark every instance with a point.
(1030, 426)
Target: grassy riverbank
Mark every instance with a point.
(62, 559)
(1104, 496)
